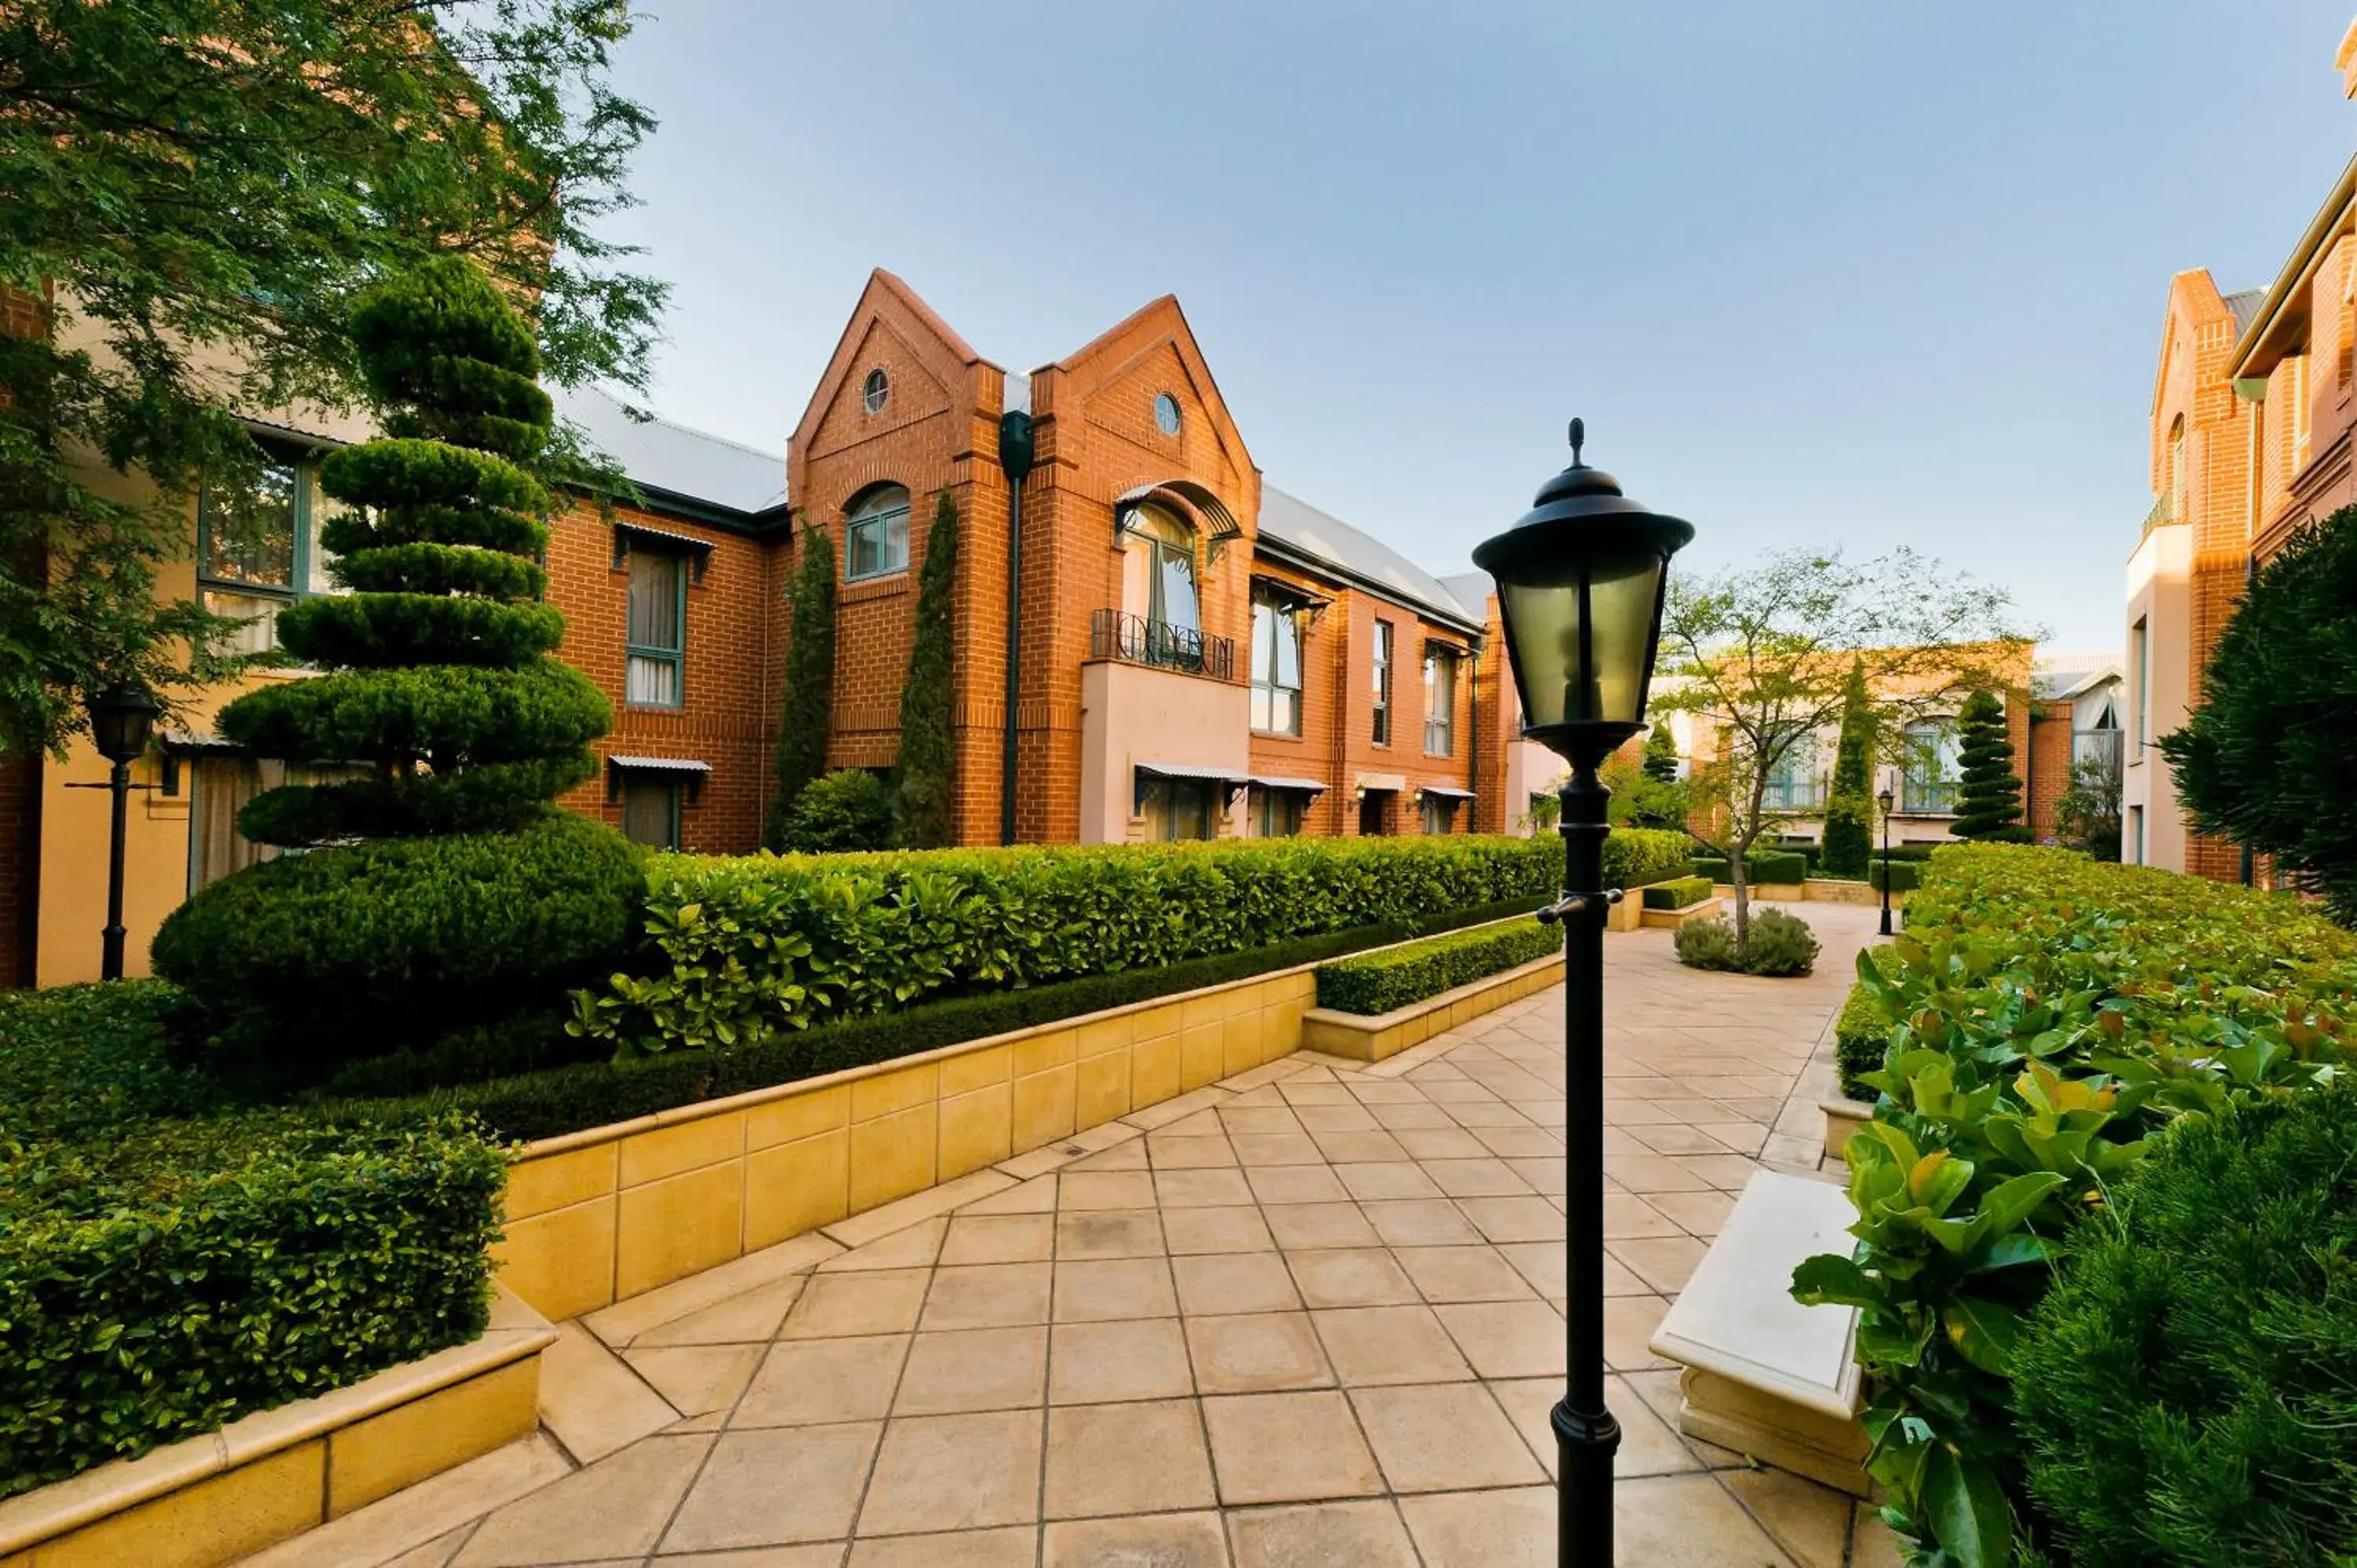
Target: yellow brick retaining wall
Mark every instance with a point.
(1373, 1037)
(597, 1216)
(212, 1500)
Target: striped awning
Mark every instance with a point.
(1307, 786)
(1446, 792)
(659, 765)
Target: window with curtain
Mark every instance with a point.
(219, 787)
(1439, 813)
(1163, 549)
(1276, 665)
(258, 546)
(1439, 703)
(1928, 781)
(876, 534)
(1383, 730)
(1274, 814)
(656, 632)
(650, 812)
(1176, 809)
(1792, 782)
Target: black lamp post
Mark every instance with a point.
(1888, 798)
(121, 718)
(1580, 585)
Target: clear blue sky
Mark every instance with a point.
(1825, 271)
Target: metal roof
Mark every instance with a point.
(660, 456)
(1320, 537)
(1471, 589)
(2068, 674)
(2245, 306)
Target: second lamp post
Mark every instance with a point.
(1581, 580)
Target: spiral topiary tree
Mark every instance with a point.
(1988, 800)
(437, 678)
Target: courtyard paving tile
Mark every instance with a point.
(1312, 1316)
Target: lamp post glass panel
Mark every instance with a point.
(1580, 584)
(121, 718)
(1886, 798)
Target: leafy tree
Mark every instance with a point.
(2087, 814)
(1765, 654)
(438, 676)
(2266, 760)
(845, 810)
(1989, 799)
(1646, 789)
(1849, 810)
(809, 713)
(921, 815)
(196, 189)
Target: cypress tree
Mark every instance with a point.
(921, 815)
(809, 710)
(437, 676)
(1661, 757)
(1989, 800)
(1849, 816)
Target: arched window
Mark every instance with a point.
(1158, 570)
(876, 534)
(2173, 503)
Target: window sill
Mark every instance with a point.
(889, 585)
(630, 707)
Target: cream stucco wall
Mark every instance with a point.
(2159, 599)
(1135, 713)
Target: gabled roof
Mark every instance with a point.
(1471, 589)
(2245, 306)
(1319, 540)
(2061, 675)
(674, 463)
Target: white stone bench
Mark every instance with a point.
(1764, 1375)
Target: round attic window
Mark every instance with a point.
(1165, 413)
(877, 391)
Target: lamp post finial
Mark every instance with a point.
(1578, 439)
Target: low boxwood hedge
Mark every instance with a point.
(1711, 866)
(1760, 865)
(1678, 893)
(161, 1275)
(1862, 1032)
(1379, 981)
(2184, 1390)
(1639, 857)
(541, 1104)
(744, 948)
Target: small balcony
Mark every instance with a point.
(2164, 510)
(1134, 640)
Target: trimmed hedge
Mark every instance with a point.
(1639, 857)
(1904, 876)
(541, 1104)
(1760, 865)
(1862, 1031)
(2054, 1013)
(2184, 1389)
(741, 949)
(1677, 892)
(160, 1278)
(1379, 981)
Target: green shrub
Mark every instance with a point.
(543, 1104)
(1904, 876)
(308, 960)
(78, 1060)
(741, 947)
(2052, 1014)
(157, 1283)
(1989, 796)
(1862, 1032)
(1780, 944)
(1638, 857)
(1920, 852)
(1713, 867)
(1380, 981)
(1707, 944)
(1849, 808)
(2184, 1389)
(1678, 893)
(842, 812)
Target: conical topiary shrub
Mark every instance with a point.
(453, 889)
(1849, 810)
(1988, 799)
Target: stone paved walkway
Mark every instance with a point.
(1310, 1316)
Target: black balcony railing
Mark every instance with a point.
(1114, 635)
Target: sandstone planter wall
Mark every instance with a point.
(1371, 1037)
